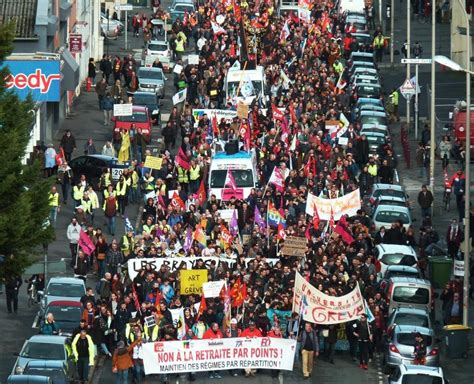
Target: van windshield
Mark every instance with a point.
(421, 379)
(247, 88)
(411, 295)
(243, 178)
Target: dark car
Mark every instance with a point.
(92, 166)
(28, 379)
(151, 101)
(67, 315)
(53, 369)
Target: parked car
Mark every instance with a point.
(392, 254)
(381, 190)
(140, 118)
(373, 117)
(92, 167)
(44, 347)
(151, 80)
(399, 347)
(409, 292)
(111, 29)
(368, 129)
(376, 140)
(151, 102)
(62, 289)
(155, 48)
(29, 379)
(56, 370)
(385, 215)
(417, 374)
(67, 315)
(364, 40)
(399, 270)
(178, 9)
(371, 91)
(409, 316)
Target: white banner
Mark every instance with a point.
(458, 268)
(346, 205)
(220, 114)
(177, 315)
(218, 354)
(325, 309)
(212, 288)
(175, 263)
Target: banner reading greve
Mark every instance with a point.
(218, 354)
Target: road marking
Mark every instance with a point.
(35, 322)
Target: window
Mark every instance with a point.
(411, 319)
(43, 351)
(183, 8)
(391, 216)
(421, 379)
(409, 339)
(243, 178)
(62, 314)
(390, 192)
(65, 290)
(147, 74)
(144, 99)
(232, 87)
(398, 259)
(411, 295)
(157, 47)
(137, 117)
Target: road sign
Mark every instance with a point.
(407, 89)
(416, 61)
(125, 7)
(75, 42)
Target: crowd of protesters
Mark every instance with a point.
(302, 69)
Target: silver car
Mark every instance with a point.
(62, 289)
(151, 80)
(409, 316)
(43, 347)
(399, 347)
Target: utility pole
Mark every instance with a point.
(392, 26)
(408, 57)
(433, 100)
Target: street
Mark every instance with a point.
(86, 121)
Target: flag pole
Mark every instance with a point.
(268, 228)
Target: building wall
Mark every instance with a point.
(458, 41)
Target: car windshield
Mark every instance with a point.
(421, 379)
(376, 120)
(391, 274)
(391, 216)
(398, 259)
(147, 74)
(64, 313)
(411, 295)
(392, 202)
(368, 91)
(243, 178)
(157, 47)
(374, 140)
(137, 117)
(183, 8)
(389, 192)
(55, 374)
(43, 351)
(144, 99)
(248, 88)
(65, 290)
(411, 319)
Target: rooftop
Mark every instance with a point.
(24, 12)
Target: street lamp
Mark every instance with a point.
(443, 60)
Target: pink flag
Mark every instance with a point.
(233, 225)
(258, 219)
(86, 243)
(277, 179)
(230, 181)
(188, 241)
(182, 159)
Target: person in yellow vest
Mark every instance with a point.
(83, 350)
(179, 45)
(86, 205)
(54, 207)
(194, 176)
(121, 191)
(148, 226)
(338, 67)
(148, 182)
(132, 328)
(379, 46)
(152, 333)
(105, 180)
(128, 244)
(183, 178)
(134, 192)
(124, 153)
(394, 100)
(109, 191)
(94, 200)
(372, 168)
(77, 193)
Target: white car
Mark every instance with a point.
(381, 190)
(417, 374)
(158, 48)
(385, 215)
(394, 254)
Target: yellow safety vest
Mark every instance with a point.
(90, 347)
(78, 192)
(154, 333)
(394, 97)
(148, 228)
(372, 169)
(149, 183)
(182, 175)
(179, 45)
(121, 188)
(106, 180)
(86, 205)
(94, 200)
(379, 42)
(135, 179)
(53, 199)
(194, 173)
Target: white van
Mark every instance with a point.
(357, 6)
(252, 85)
(243, 166)
(409, 292)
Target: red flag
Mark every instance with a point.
(201, 193)
(86, 243)
(237, 13)
(316, 218)
(161, 200)
(237, 293)
(245, 133)
(215, 126)
(281, 235)
(225, 235)
(277, 114)
(345, 235)
(177, 202)
(343, 221)
(135, 298)
(182, 159)
(307, 233)
(294, 119)
(202, 307)
(276, 178)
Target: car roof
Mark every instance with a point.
(396, 248)
(161, 42)
(416, 311)
(360, 34)
(401, 268)
(65, 303)
(150, 69)
(409, 280)
(45, 364)
(395, 187)
(374, 134)
(372, 113)
(412, 329)
(372, 125)
(48, 339)
(383, 207)
(421, 369)
(362, 54)
(69, 280)
(139, 108)
(391, 198)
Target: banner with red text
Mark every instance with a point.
(218, 354)
(345, 205)
(325, 309)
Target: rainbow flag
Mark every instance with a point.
(274, 217)
(200, 236)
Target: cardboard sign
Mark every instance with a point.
(123, 110)
(192, 280)
(458, 268)
(226, 214)
(178, 69)
(153, 162)
(193, 59)
(229, 193)
(150, 321)
(294, 246)
(242, 111)
(212, 288)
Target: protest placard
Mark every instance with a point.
(153, 162)
(210, 355)
(191, 281)
(212, 288)
(294, 246)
